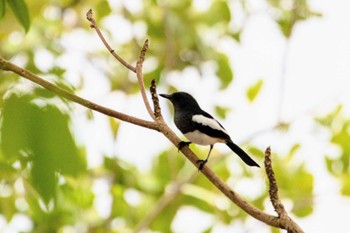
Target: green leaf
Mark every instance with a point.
(210, 229)
(328, 119)
(256, 151)
(286, 26)
(20, 10)
(43, 177)
(59, 143)
(53, 149)
(293, 150)
(161, 167)
(295, 183)
(303, 201)
(15, 128)
(222, 111)
(224, 70)
(43, 134)
(236, 35)
(2, 8)
(114, 126)
(119, 206)
(77, 193)
(345, 189)
(56, 70)
(7, 207)
(218, 12)
(254, 90)
(329, 164)
(103, 9)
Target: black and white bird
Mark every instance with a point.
(200, 127)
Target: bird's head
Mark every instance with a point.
(181, 100)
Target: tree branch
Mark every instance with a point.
(140, 78)
(155, 100)
(89, 16)
(288, 223)
(273, 189)
(139, 63)
(8, 66)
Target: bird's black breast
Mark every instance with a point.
(183, 121)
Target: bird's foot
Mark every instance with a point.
(182, 144)
(201, 163)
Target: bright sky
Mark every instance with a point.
(317, 78)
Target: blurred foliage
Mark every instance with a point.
(254, 90)
(296, 184)
(44, 174)
(289, 12)
(19, 9)
(39, 138)
(339, 129)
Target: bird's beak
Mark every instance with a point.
(165, 96)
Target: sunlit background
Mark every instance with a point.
(287, 89)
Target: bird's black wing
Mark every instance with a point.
(207, 124)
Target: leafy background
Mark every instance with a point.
(64, 168)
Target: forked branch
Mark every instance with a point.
(139, 63)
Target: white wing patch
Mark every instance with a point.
(212, 123)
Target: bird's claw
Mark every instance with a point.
(182, 144)
(201, 163)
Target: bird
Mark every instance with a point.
(199, 127)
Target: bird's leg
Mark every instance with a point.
(182, 144)
(203, 162)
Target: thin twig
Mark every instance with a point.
(89, 16)
(273, 188)
(137, 69)
(285, 221)
(139, 75)
(155, 100)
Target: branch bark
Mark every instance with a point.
(89, 16)
(8, 66)
(282, 221)
(139, 75)
(139, 63)
(285, 220)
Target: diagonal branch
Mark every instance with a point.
(220, 184)
(8, 66)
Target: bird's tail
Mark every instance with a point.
(241, 153)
